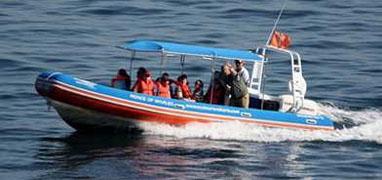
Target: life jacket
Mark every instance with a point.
(121, 82)
(144, 87)
(280, 40)
(217, 96)
(186, 91)
(163, 90)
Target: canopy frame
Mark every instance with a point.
(190, 50)
(259, 57)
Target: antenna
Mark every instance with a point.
(276, 22)
(268, 41)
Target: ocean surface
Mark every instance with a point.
(341, 46)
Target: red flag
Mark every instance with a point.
(281, 40)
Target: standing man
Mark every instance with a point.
(242, 71)
(237, 88)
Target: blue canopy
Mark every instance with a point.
(184, 49)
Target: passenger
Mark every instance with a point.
(242, 71)
(223, 79)
(183, 91)
(238, 89)
(121, 80)
(198, 91)
(173, 88)
(218, 91)
(163, 86)
(144, 84)
(221, 91)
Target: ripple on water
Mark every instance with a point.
(134, 11)
(339, 43)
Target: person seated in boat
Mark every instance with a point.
(163, 86)
(216, 94)
(238, 91)
(141, 72)
(144, 84)
(121, 80)
(198, 91)
(183, 90)
(173, 89)
(242, 71)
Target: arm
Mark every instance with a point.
(179, 93)
(246, 77)
(135, 87)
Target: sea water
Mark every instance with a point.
(340, 43)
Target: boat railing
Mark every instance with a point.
(297, 85)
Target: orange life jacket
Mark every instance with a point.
(186, 91)
(163, 90)
(144, 87)
(281, 40)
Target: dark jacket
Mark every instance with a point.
(238, 87)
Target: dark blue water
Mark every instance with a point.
(340, 43)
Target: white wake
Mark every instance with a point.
(367, 126)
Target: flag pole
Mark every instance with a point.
(276, 22)
(268, 41)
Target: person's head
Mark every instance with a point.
(141, 72)
(182, 79)
(217, 74)
(227, 69)
(122, 72)
(165, 78)
(147, 75)
(239, 64)
(199, 84)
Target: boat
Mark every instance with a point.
(86, 105)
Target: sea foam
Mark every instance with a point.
(366, 126)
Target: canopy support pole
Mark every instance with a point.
(182, 59)
(213, 80)
(268, 41)
(262, 83)
(262, 88)
(131, 63)
(162, 59)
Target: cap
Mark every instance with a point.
(239, 61)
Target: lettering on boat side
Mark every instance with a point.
(141, 98)
(180, 106)
(246, 114)
(163, 102)
(311, 121)
(319, 117)
(192, 106)
(85, 83)
(305, 116)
